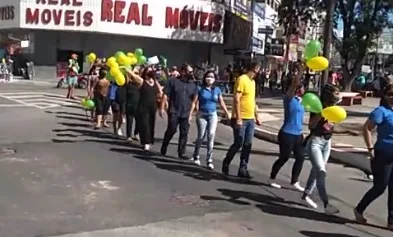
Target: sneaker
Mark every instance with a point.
(119, 132)
(146, 147)
(309, 202)
(359, 218)
(273, 184)
(225, 169)
(197, 161)
(124, 120)
(210, 165)
(243, 173)
(129, 139)
(298, 187)
(163, 151)
(135, 138)
(331, 210)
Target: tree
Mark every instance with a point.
(363, 21)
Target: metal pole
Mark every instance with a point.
(327, 37)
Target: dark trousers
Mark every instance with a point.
(131, 115)
(243, 136)
(382, 169)
(289, 143)
(147, 124)
(173, 122)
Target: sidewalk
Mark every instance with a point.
(348, 145)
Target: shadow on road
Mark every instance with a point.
(276, 205)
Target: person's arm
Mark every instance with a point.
(134, 77)
(257, 115)
(166, 94)
(193, 107)
(223, 105)
(313, 121)
(159, 88)
(296, 82)
(239, 89)
(94, 84)
(375, 119)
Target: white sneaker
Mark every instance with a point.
(119, 132)
(124, 120)
(310, 202)
(197, 162)
(273, 184)
(210, 166)
(146, 147)
(298, 187)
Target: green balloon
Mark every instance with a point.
(138, 52)
(312, 49)
(142, 59)
(90, 104)
(312, 103)
(109, 77)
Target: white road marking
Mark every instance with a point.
(12, 105)
(40, 100)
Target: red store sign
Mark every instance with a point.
(150, 18)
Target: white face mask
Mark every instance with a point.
(210, 80)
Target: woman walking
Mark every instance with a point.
(147, 107)
(132, 103)
(381, 156)
(318, 149)
(290, 136)
(206, 103)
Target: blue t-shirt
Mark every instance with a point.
(208, 99)
(383, 118)
(293, 116)
(112, 91)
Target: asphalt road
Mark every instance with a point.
(59, 177)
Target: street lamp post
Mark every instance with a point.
(327, 36)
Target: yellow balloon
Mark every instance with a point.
(114, 71)
(318, 64)
(91, 57)
(127, 62)
(133, 61)
(130, 55)
(122, 59)
(334, 114)
(120, 79)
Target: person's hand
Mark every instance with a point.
(258, 122)
(371, 153)
(239, 122)
(227, 115)
(161, 112)
(189, 119)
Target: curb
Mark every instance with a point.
(349, 159)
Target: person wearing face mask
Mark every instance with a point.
(381, 156)
(206, 101)
(318, 149)
(179, 94)
(147, 107)
(244, 118)
(290, 136)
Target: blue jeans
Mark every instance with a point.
(207, 125)
(382, 169)
(318, 149)
(243, 136)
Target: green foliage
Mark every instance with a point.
(363, 21)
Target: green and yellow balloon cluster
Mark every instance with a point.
(121, 61)
(313, 61)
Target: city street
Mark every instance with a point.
(59, 177)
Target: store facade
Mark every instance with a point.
(182, 31)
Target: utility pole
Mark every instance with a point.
(327, 36)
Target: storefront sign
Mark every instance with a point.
(259, 10)
(7, 13)
(242, 8)
(196, 20)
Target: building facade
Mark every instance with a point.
(182, 31)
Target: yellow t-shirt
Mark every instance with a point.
(246, 86)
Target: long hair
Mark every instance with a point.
(144, 72)
(204, 77)
(384, 101)
(328, 97)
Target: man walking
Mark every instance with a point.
(179, 93)
(244, 117)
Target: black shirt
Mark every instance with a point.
(323, 128)
(149, 93)
(132, 95)
(181, 94)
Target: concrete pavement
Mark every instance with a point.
(65, 179)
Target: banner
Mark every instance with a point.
(242, 8)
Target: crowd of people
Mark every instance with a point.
(179, 97)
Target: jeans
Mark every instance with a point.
(382, 169)
(207, 125)
(318, 149)
(173, 122)
(243, 136)
(289, 143)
